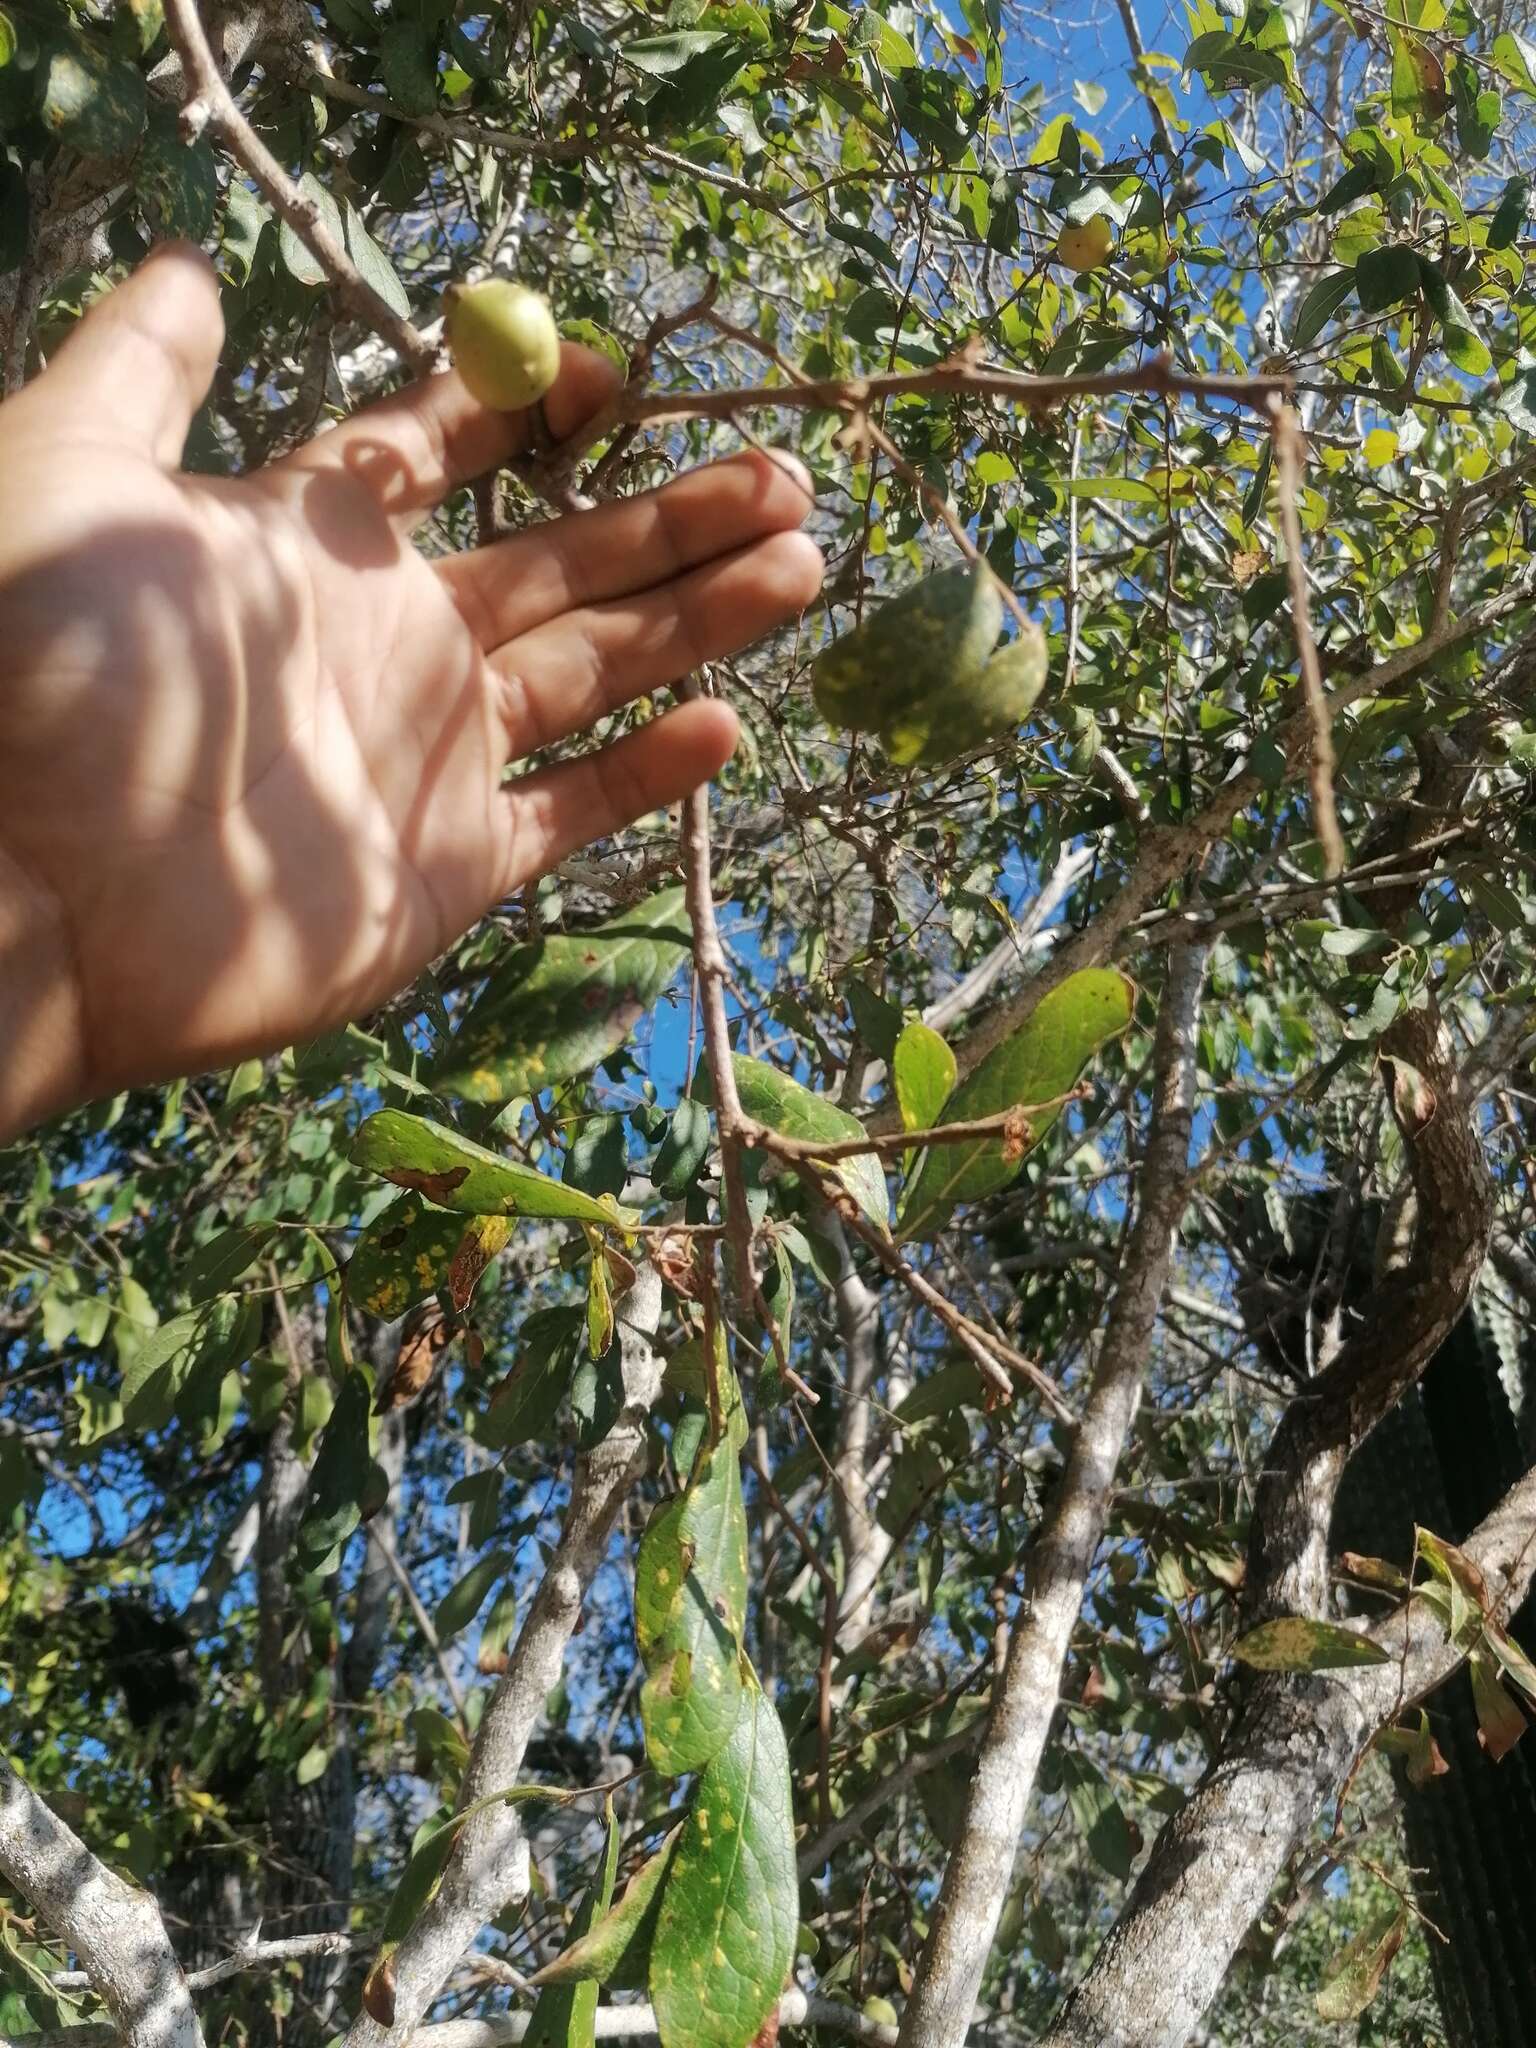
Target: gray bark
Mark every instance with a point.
(114, 1929)
(1295, 1739)
(488, 1870)
(980, 1870)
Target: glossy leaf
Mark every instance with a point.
(464, 1599)
(617, 1949)
(725, 1933)
(772, 1098)
(1034, 1068)
(923, 1075)
(455, 1173)
(554, 1009)
(690, 1609)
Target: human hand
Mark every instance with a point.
(252, 742)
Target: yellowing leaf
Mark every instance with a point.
(1295, 1644)
(1380, 447)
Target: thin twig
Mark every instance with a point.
(984, 1349)
(1322, 760)
(1005, 1124)
(713, 971)
(854, 395)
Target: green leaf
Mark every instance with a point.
(664, 56)
(878, 1020)
(683, 1150)
(1295, 1644)
(691, 1608)
(333, 1504)
(207, 1340)
(373, 265)
(565, 2014)
(1515, 58)
(923, 1074)
(178, 188)
(1099, 1816)
(597, 1161)
(555, 1008)
(1354, 1976)
(491, 1656)
(297, 260)
(1320, 305)
(1517, 1666)
(1458, 337)
(1037, 1066)
(1467, 1594)
(91, 100)
(463, 1600)
(21, 1482)
(408, 66)
(1386, 276)
(219, 1263)
(524, 1404)
(772, 1098)
(617, 1950)
(725, 1934)
(414, 1152)
(1509, 218)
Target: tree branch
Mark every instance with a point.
(1295, 1739)
(115, 1930)
(488, 1869)
(211, 104)
(980, 1868)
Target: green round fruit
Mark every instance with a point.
(504, 340)
(921, 675)
(882, 2011)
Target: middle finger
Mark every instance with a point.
(587, 558)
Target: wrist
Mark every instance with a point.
(42, 1064)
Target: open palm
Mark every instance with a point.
(253, 744)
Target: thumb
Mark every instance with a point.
(142, 359)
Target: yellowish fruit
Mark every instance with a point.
(505, 343)
(1085, 246)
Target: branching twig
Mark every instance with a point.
(1322, 760)
(211, 104)
(713, 971)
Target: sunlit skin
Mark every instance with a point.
(253, 743)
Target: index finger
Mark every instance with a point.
(412, 449)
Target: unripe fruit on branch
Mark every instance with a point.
(1085, 245)
(505, 343)
(921, 675)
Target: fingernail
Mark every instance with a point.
(793, 468)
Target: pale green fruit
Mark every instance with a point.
(921, 675)
(881, 2010)
(505, 343)
(1085, 245)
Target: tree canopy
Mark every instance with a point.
(898, 1405)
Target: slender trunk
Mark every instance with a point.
(980, 1870)
(1294, 1740)
(488, 1869)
